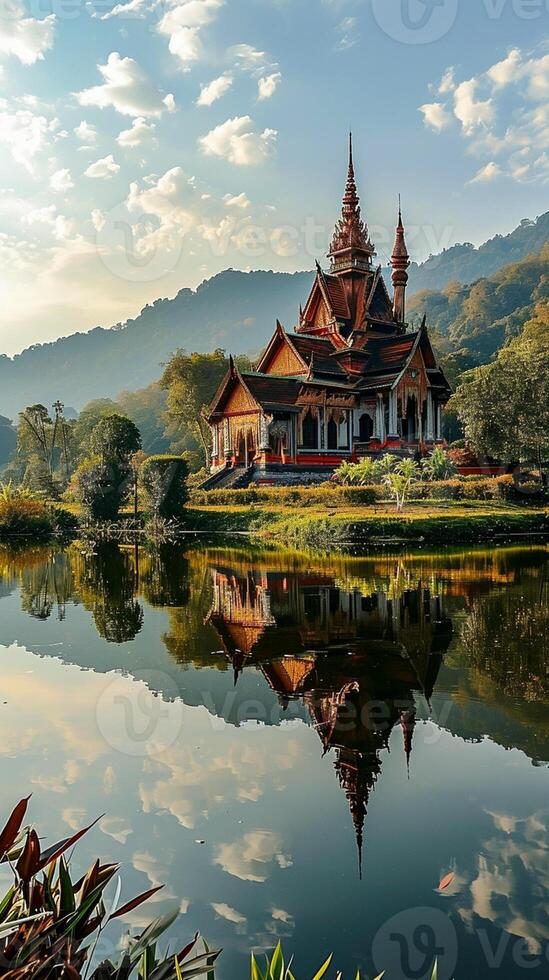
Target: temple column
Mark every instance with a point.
(438, 429)
(393, 415)
(380, 420)
(263, 434)
(430, 424)
(227, 437)
(215, 440)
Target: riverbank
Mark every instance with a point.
(423, 521)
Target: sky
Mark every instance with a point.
(146, 145)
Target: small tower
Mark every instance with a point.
(400, 261)
(351, 248)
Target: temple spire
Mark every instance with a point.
(351, 248)
(400, 261)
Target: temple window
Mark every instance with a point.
(333, 432)
(310, 431)
(365, 427)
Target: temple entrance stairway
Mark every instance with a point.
(229, 478)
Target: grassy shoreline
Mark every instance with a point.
(451, 523)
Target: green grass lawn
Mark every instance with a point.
(323, 527)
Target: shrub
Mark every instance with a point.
(25, 512)
(438, 465)
(324, 494)
(102, 487)
(49, 921)
(164, 480)
(367, 470)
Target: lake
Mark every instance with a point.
(297, 746)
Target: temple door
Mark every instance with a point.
(332, 433)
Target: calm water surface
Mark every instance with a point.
(297, 746)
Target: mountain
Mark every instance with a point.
(235, 311)
(478, 319)
(465, 263)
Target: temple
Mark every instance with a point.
(353, 656)
(349, 381)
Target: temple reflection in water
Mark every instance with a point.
(355, 658)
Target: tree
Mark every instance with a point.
(147, 408)
(8, 440)
(191, 381)
(91, 414)
(164, 479)
(115, 438)
(401, 480)
(504, 406)
(102, 487)
(44, 445)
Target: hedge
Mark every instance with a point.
(333, 495)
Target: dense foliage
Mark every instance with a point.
(50, 923)
(22, 512)
(191, 381)
(475, 321)
(164, 481)
(504, 406)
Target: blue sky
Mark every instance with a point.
(147, 145)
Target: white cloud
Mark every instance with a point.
(98, 219)
(123, 9)
(247, 56)
(235, 141)
(126, 88)
(237, 201)
(25, 134)
(268, 85)
(226, 912)
(166, 200)
(471, 112)
(85, 132)
(507, 70)
(537, 73)
(251, 858)
(140, 132)
(436, 115)
(103, 169)
(25, 37)
(182, 24)
(487, 173)
(62, 228)
(214, 90)
(500, 117)
(61, 180)
(348, 34)
(447, 83)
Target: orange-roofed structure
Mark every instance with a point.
(349, 381)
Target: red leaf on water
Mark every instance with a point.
(447, 880)
(138, 900)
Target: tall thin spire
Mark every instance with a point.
(400, 261)
(351, 247)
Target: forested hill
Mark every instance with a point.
(233, 310)
(478, 319)
(465, 263)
